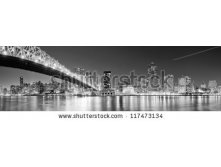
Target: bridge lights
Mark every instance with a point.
(40, 57)
(54, 66)
(5, 53)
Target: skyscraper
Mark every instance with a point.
(64, 85)
(79, 71)
(89, 78)
(21, 82)
(153, 78)
(169, 84)
(1, 90)
(203, 86)
(5, 91)
(107, 91)
(185, 85)
(107, 80)
(76, 70)
(212, 86)
(162, 79)
(152, 70)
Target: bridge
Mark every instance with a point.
(34, 59)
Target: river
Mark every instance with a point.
(115, 103)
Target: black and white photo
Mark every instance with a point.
(110, 78)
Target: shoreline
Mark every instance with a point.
(105, 96)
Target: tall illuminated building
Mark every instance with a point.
(152, 69)
(21, 81)
(203, 86)
(185, 85)
(107, 91)
(162, 79)
(212, 86)
(153, 78)
(107, 80)
(1, 90)
(77, 70)
(169, 84)
(89, 78)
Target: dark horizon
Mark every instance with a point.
(200, 63)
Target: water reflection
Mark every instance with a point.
(116, 103)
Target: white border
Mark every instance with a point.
(182, 139)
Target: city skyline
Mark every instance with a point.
(133, 78)
(201, 67)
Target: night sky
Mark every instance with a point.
(201, 67)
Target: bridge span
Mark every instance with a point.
(32, 58)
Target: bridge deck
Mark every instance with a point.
(15, 62)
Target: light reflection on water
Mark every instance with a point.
(116, 103)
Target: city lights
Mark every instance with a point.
(36, 55)
(156, 82)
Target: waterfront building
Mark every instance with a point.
(185, 85)
(64, 85)
(21, 82)
(219, 90)
(168, 83)
(90, 79)
(97, 82)
(189, 85)
(53, 85)
(212, 85)
(14, 89)
(37, 88)
(163, 77)
(203, 86)
(77, 70)
(176, 89)
(107, 80)
(107, 90)
(82, 71)
(1, 90)
(5, 91)
(153, 78)
(128, 90)
(26, 89)
(152, 69)
(70, 85)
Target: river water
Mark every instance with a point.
(116, 103)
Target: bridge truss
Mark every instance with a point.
(36, 55)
